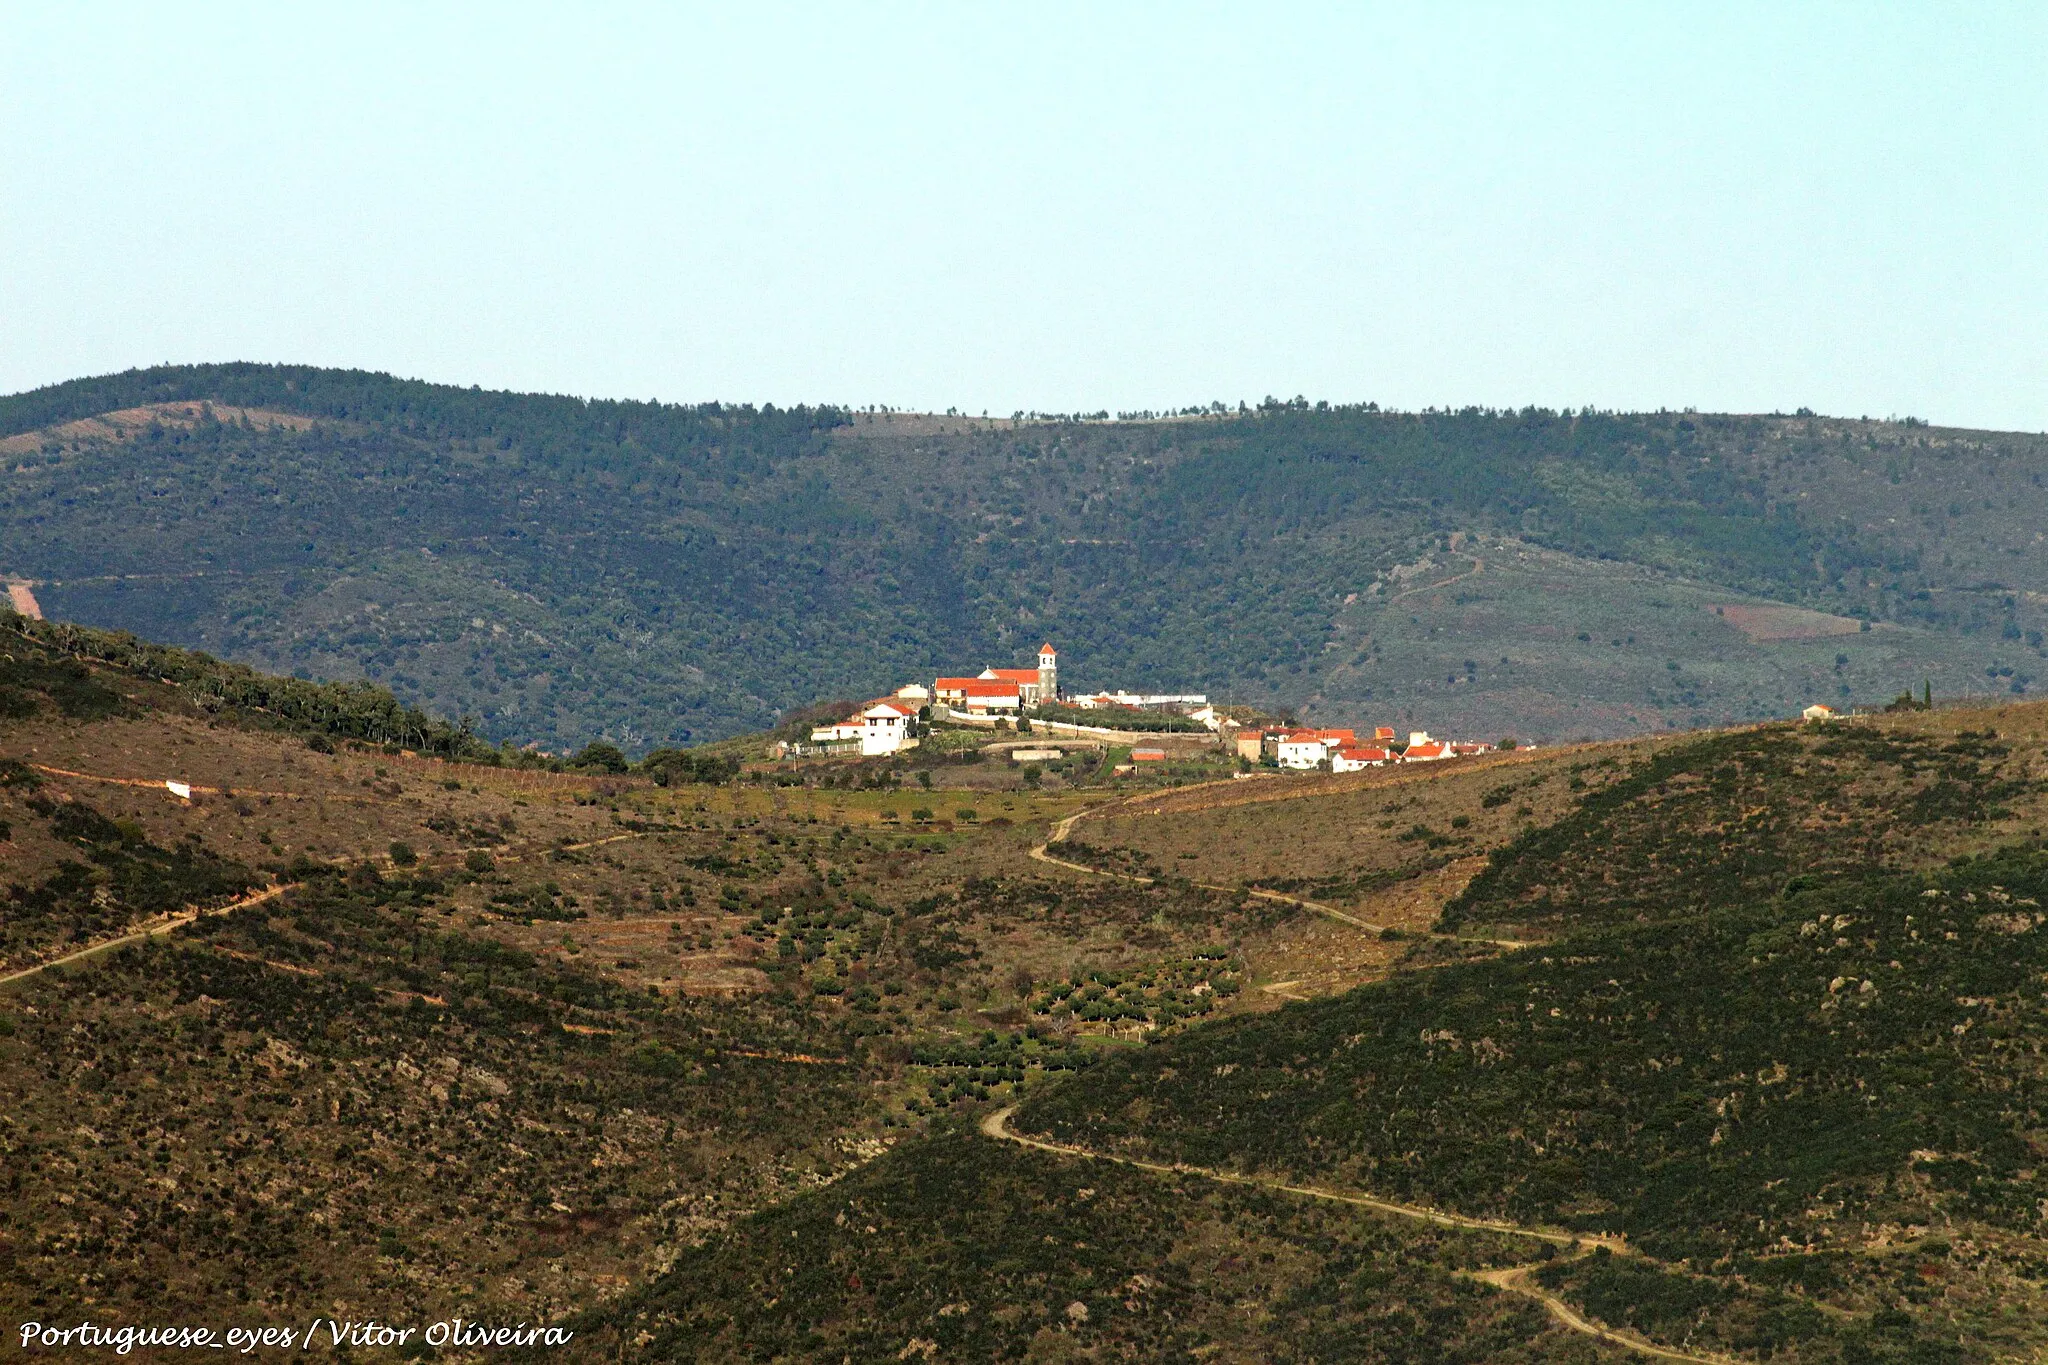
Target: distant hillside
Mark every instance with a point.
(563, 570)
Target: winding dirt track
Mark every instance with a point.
(1478, 567)
(1512, 1279)
(157, 784)
(185, 917)
(997, 1125)
(1515, 1280)
(157, 930)
(1065, 827)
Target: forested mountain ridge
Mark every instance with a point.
(564, 570)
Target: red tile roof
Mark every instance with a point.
(981, 687)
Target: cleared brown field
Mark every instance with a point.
(1784, 623)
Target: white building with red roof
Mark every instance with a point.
(880, 727)
(1302, 749)
(885, 727)
(979, 696)
(1034, 685)
(839, 732)
(1002, 691)
(1025, 680)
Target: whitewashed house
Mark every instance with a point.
(840, 732)
(880, 727)
(1358, 758)
(1302, 749)
(884, 727)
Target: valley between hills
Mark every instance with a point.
(1716, 1045)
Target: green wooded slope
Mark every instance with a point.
(566, 570)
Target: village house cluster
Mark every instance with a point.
(1344, 752)
(890, 724)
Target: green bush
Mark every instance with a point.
(678, 767)
(599, 757)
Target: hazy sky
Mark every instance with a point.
(1101, 206)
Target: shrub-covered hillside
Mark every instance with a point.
(1794, 1074)
(564, 570)
(1775, 1038)
(704, 1066)
(1729, 819)
(350, 1101)
(297, 1020)
(956, 1248)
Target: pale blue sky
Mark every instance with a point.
(1721, 206)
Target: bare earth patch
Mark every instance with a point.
(126, 423)
(1784, 623)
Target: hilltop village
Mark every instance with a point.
(1030, 701)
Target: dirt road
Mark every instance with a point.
(997, 1125)
(1065, 827)
(200, 789)
(1512, 1279)
(1515, 1280)
(1478, 567)
(157, 930)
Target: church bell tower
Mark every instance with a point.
(1048, 675)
